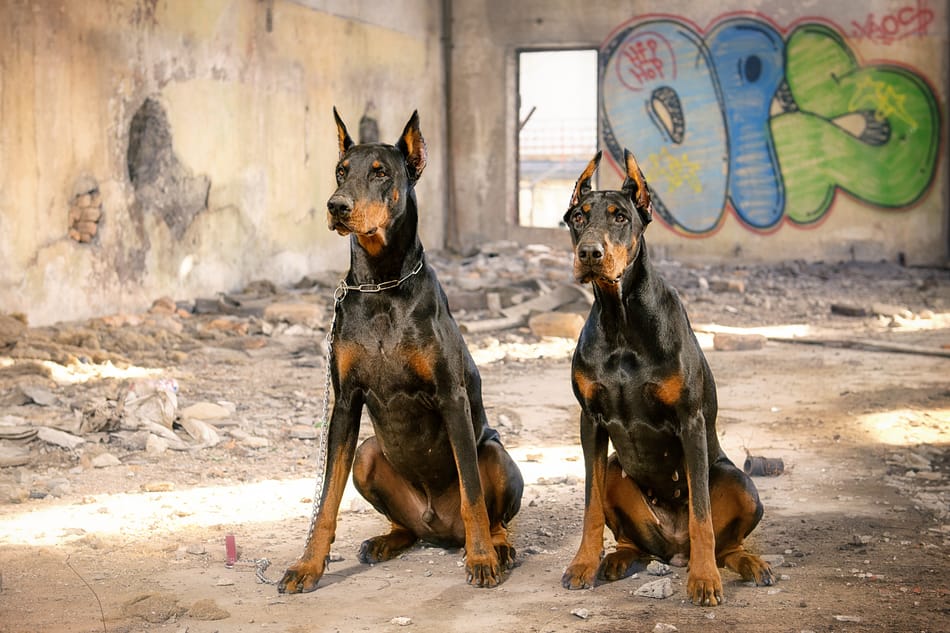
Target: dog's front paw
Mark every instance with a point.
(483, 571)
(705, 591)
(301, 577)
(579, 576)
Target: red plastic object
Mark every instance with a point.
(231, 550)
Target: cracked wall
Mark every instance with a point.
(180, 149)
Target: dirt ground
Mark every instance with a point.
(857, 526)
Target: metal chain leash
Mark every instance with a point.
(338, 295)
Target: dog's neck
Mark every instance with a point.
(396, 257)
(621, 304)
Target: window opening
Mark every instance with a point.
(557, 130)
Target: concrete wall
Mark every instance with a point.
(173, 147)
(851, 163)
(222, 110)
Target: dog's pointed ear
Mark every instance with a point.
(413, 147)
(345, 141)
(635, 186)
(583, 183)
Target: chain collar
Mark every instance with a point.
(344, 287)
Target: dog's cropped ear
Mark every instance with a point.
(413, 147)
(345, 141)
(635, 186)
(583, 183)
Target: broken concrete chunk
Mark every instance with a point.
(205, 411)
(558, 324)
(59, 438)
(309, 314)
(737, 342)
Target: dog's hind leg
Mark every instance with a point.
(502, 485)
(629, 518)
(378, 482)
(736, 511)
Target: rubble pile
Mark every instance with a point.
(114, 385)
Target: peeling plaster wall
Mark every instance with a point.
(246, 89)
(869, 221)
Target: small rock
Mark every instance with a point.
(196, 549)
(658, 589)
(737, 342)
(201, 431)
(847, 618)
(583, 614)
(205, 411)
(557, 324)
(309, 314)
(303, 432)
(11, 455)
(11, 328)
(662, 627)
(255, 442)
(656, 568)
(105, 460)
(843, 309)
(155, 445)
(163, 305)
(39, 395)
(401, 621)
(727, 285)
(158, 486)
(887, 309)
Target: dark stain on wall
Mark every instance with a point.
(162, 184)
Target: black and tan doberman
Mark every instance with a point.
(434, 467)
(668, 491)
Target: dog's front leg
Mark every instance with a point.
(304, 575)
(581, 572)
(703, 583)
(481, 561)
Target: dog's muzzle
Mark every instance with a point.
(339, 208)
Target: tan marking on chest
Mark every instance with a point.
(421, 361)
(346, 354)
(585, 386)
(669, 390)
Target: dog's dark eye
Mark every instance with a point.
(578, 218)
(620, 218)
(340, 173)
(379, 172)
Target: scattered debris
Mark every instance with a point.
(725, 342)
(758, 466)
(658, 589)
(581, 613)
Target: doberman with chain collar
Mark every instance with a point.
(668, 491)
(434, 468)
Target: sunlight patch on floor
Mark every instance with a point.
(908, 427)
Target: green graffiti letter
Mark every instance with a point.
(891, 167)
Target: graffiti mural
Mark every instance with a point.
(766, 124)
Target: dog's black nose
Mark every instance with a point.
(590, 253)
(339, 206)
